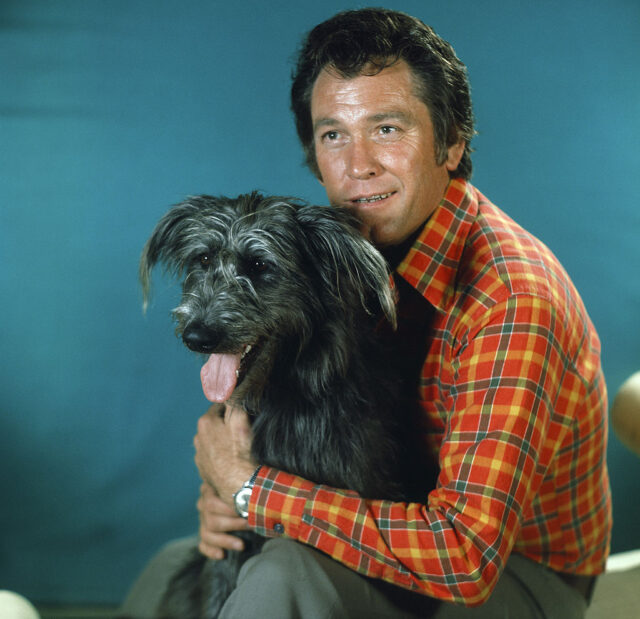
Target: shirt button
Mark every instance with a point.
(278, 528)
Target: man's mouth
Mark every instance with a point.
(372, 199)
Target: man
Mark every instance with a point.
(512, 395)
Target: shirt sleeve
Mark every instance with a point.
(500, 435)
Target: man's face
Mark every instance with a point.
(375, 150)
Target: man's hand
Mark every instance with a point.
(223, 450)
(217, 519)
(223, 458)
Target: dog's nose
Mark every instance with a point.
(200, 338)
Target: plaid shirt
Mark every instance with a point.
(513, 405)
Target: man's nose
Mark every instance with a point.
(363, 162)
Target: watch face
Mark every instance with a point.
(241, 499)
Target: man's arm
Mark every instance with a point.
(508, 413)
(500, 437)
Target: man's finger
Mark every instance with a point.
(221, 540)
(215, 523)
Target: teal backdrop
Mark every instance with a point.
(111, 111)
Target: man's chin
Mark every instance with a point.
(373, 227)
(378, 236)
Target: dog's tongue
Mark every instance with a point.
(219, 376)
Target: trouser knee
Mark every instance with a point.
(287, 579)
(282, 562)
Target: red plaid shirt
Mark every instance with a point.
(514, 409)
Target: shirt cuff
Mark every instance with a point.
(278, 502)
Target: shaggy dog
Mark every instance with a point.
(293, 307)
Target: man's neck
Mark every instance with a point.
(394, 254)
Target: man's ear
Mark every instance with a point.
(454, 154)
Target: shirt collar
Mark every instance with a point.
(431, 266)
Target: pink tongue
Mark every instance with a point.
(218, 376)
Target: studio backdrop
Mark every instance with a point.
(111, 111)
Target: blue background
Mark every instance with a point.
(112, 111)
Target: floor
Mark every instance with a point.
(76, 612)
(617, 595)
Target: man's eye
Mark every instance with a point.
(330, 136)
(387, 129)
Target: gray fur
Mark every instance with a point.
(301, 285)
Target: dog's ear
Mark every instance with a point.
(162, 246)
(346, 261)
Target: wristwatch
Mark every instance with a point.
(243, 496)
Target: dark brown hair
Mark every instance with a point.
(366, 41)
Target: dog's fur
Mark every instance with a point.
(308, 292)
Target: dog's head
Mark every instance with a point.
(256, 268)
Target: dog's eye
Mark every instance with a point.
(257, 266)
(205, 260)
(254, 267)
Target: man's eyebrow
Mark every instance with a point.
(396, 115)
(393, 115)
(324, 122)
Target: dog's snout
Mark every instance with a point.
(200, 338)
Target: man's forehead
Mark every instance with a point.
(330, 74)
(389, 94)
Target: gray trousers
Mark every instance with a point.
(291, 580)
